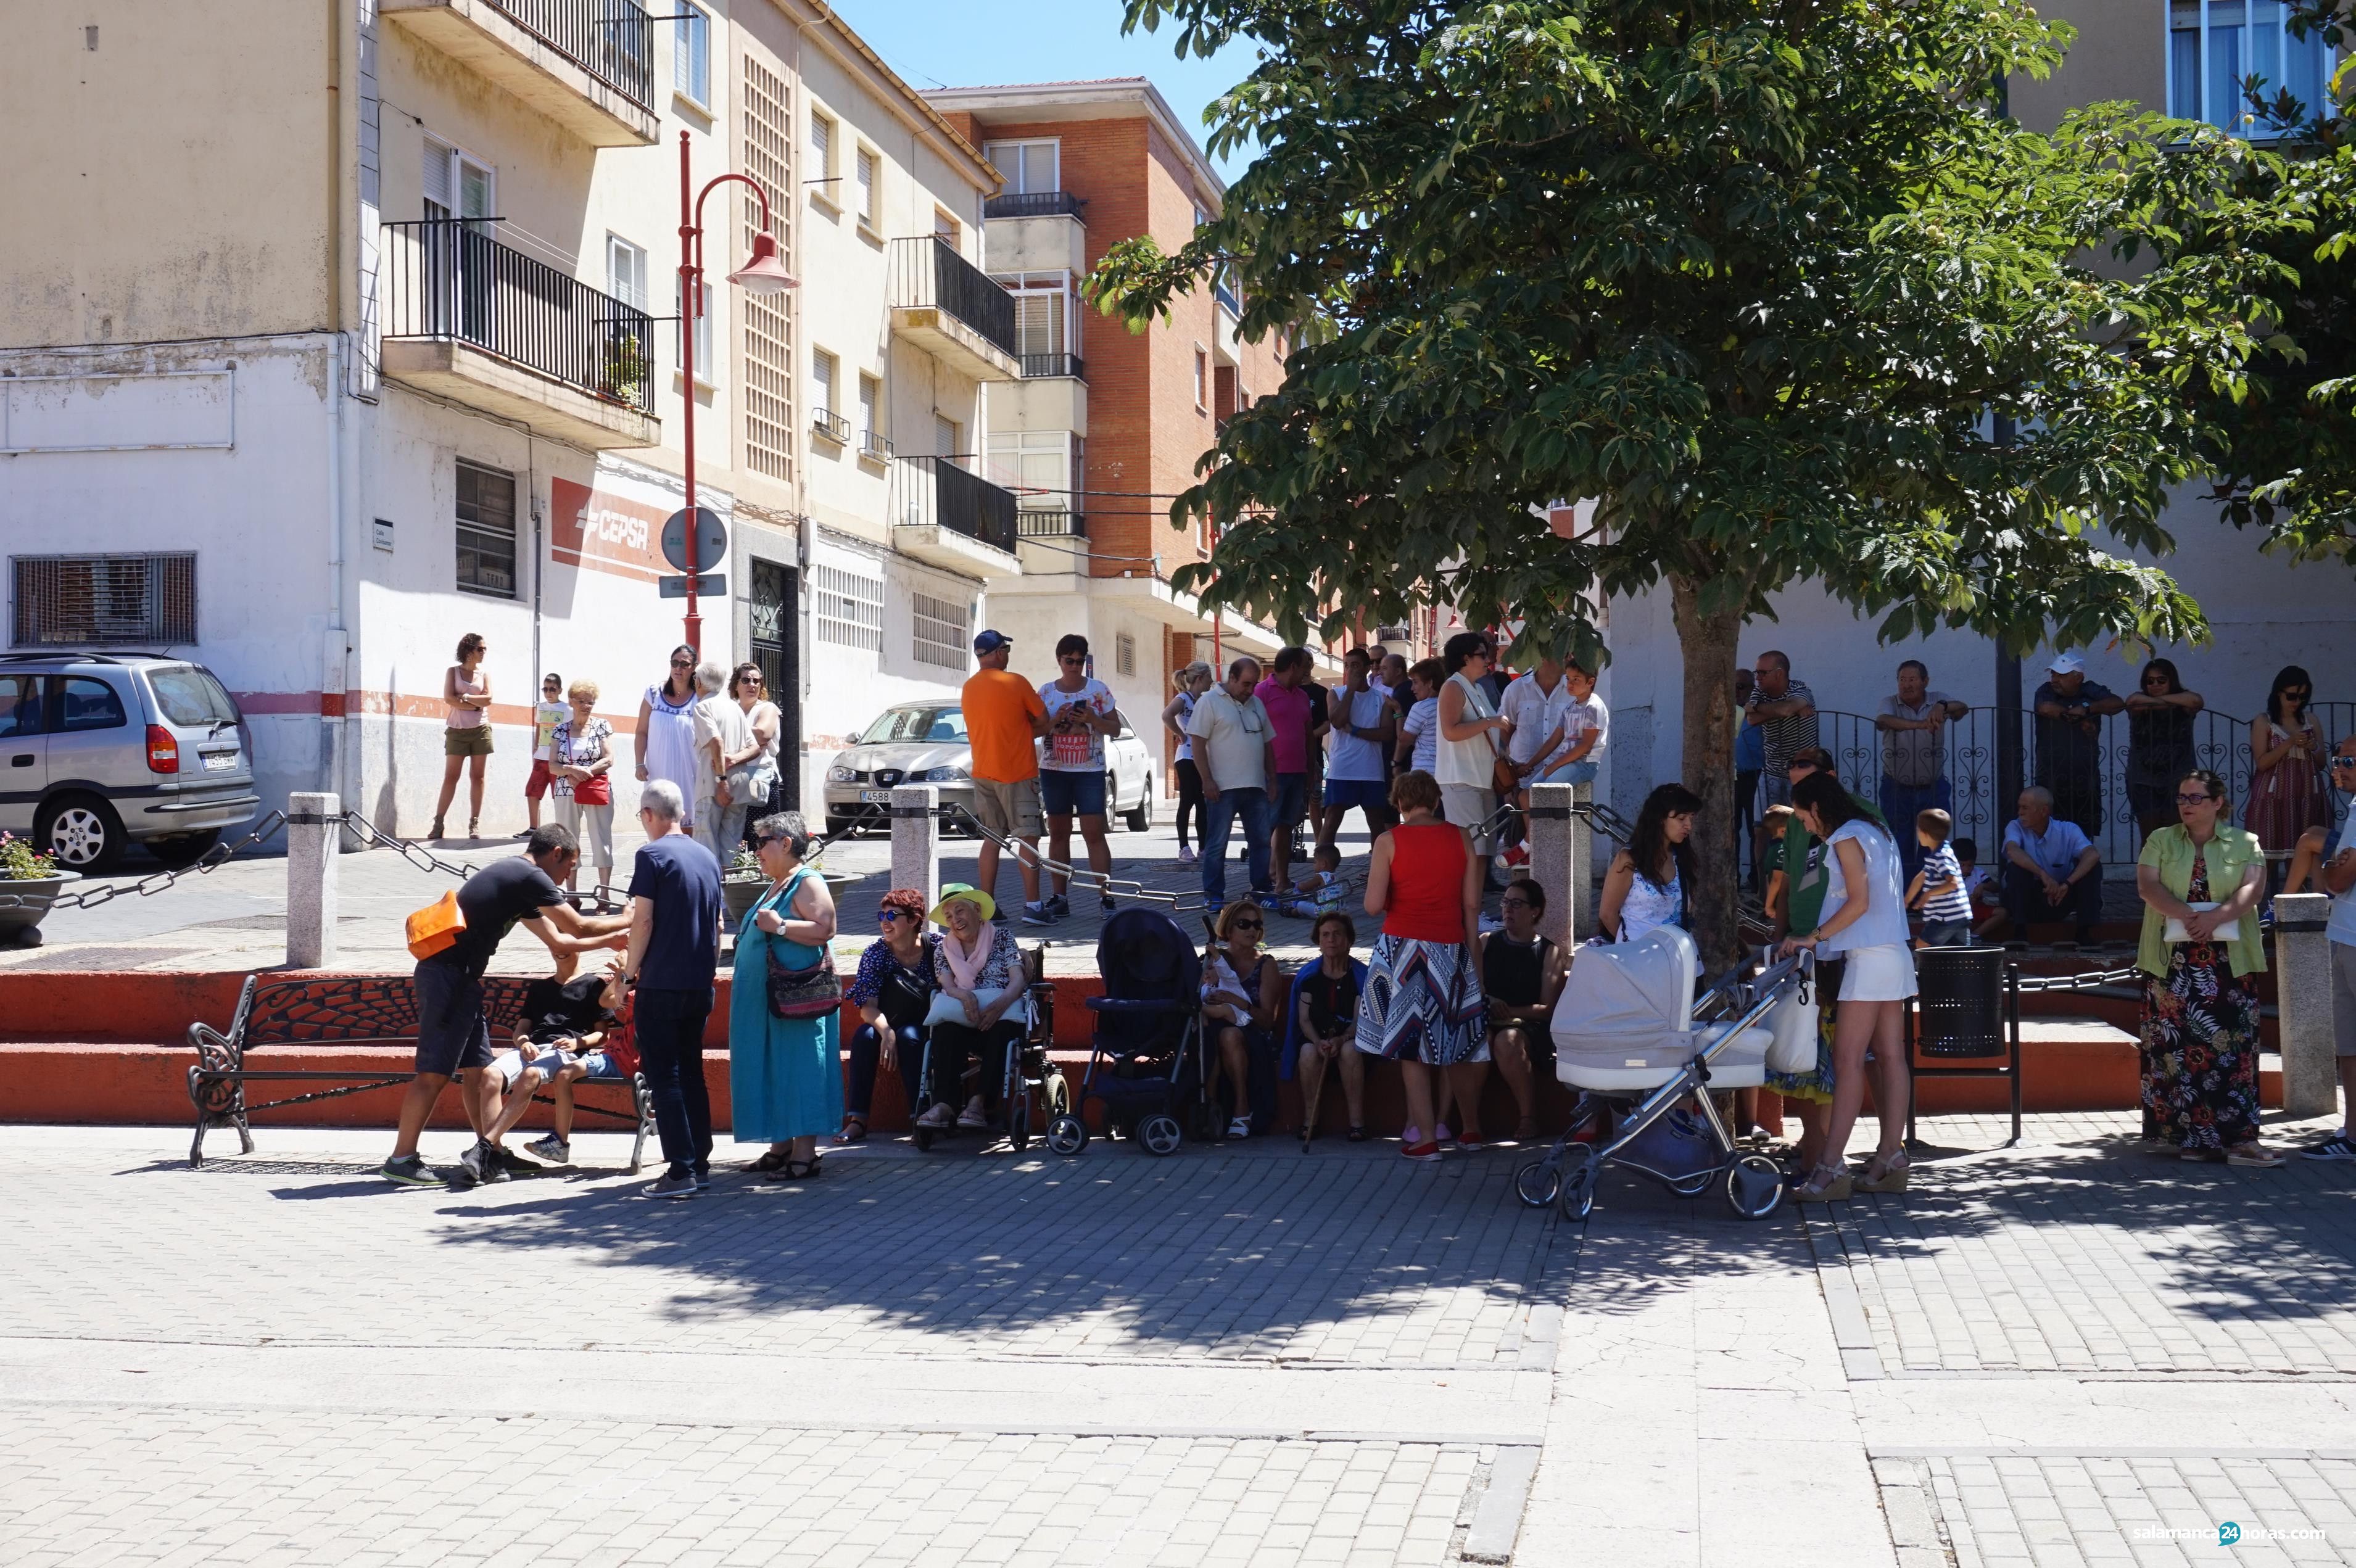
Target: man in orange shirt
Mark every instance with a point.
(1003, 717)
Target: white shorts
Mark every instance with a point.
(1876, 974)
(549, 1059)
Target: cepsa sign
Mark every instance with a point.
(602, 532)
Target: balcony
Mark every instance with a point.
(1038, 367)
(947, 516)
(1034, 203)
(874, 447)
(1040, 525)
(952, 310)
(470, 319)
(588, 64)
(828, 425)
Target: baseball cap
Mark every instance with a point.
(989, 642)
(2065, 664)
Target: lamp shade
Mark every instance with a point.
(766, 272)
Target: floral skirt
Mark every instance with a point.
(1422, 1000)
(2199, 1051)
(1816, 1083)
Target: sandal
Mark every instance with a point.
(1883, 1174)
(1826, 1184)
(1526, 1129)
(847, 1135)
(769, 1161)
(796, 1170)
(435, 831)
(474, 829)
(2253, 1155)
(1358, 1135)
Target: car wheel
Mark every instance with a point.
(184, 850)
(81, 831)
(1141, 819)
(838, 827)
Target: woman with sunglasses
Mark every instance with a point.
(893, 992)
(1243, 1010)
(753, 774)
(2286, 749)
(2201, 882)
(2160, 743)
(785, 1075)
(666, 741)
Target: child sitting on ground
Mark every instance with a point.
(1938, 888)
(1320, 890)
(566, 1036)
(1986, 898)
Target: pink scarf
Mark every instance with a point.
(965, 967)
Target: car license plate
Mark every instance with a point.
(875, 796)
(219, 762)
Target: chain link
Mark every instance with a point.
(202, 866)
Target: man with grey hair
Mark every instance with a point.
(454, 1038)
(2049, 866)
(722, 731)
(674, 952)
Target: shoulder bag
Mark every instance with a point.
(811, 992)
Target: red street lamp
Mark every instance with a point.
(764, 273)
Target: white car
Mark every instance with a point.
(924, 742)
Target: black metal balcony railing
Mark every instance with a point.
(832, 425)
(874, 444)
(610, 39)
(1034, 203)
(447, 278)
(1031, 524)
(928, 274)
(1038, 365)
(936, 491)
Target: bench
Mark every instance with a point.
(347, 1010)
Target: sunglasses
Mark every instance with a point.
(1073, 658)
(1248, 925)
(2296, 694)
(683, 664)
(886, 916)
(2194, 799)
(2343, 762)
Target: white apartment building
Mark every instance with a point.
(362, 319)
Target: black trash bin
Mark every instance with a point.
(1966, 1009)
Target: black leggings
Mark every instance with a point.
(1190, 795)
(954, 1044)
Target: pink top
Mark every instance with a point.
(1288, 719)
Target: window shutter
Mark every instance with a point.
(945, 435)
(867, 405)
(822, 145)
(438, 194)
(867, 185)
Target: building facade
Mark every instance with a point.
(374, 338)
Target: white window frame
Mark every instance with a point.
(1023, 154)
(690, 55)
(871, 414)
(826, 157)
(1062, 288)
(626, 271)
(1201, 378)
(867, 181)
(941, 630)
(1017, 458)
(707, 372)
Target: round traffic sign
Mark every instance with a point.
(711, 540)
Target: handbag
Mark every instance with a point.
(438, 927)
(2229, 932)
(1792, 1021)
(809, 992)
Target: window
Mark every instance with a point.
(1041, 466)
(866, 197)
(1202, 379)
(706, 367)
(1045, 320)
(2213, 45)
(90, 705)
(1029, 167)
(946, 227)
(1124, 654)
(189, 694)
(487, 532)
(821, 159)
(945, 437)
(625, 271)
(822, 373)
(20, 706)
(690, 52)
(454, 185)
(943, 627)
(850, 607)
(870, 418)
(66, 599)
(765, 324)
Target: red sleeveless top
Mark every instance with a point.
(1426, 892)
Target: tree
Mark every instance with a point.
(1761, 277)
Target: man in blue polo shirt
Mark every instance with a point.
(674, 954)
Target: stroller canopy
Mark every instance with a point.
(1143, 955)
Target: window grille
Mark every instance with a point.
(67, 600)
(1124, 654)
(849, 608)
(943, 626)
(768, 393)
(487, 532)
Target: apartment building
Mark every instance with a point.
(348, 328)
(1105, 428)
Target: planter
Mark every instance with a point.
(19, 922)
(738, 898)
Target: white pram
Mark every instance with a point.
(1628, 1030)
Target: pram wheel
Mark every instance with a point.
(1068, 1135)
(1754, 1186)
(1694, 1185)
(1538, 1183)
(924, 1138)
(1576, 1199)
(1159, 1133)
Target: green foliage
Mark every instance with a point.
(1754, 274)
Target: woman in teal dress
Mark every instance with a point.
(785, 1075)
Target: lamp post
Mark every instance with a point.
(763, 272)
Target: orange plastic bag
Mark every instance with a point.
(437, 926)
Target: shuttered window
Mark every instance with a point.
(849, 606)
(942, 628)
(66, 601)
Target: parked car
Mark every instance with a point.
(99, 752)
(924, 742)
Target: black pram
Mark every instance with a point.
(1145, 1056)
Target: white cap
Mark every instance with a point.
(2065, 664)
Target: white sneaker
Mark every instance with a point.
(1185, 854)
(551, 1148)
(1240, 1128)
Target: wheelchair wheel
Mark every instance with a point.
(924, 1138)
(1538, 1183)
(1068, 1135)
(1754, 1186)
(1159, 1133)
(1576, 1200)
(1018, 1121)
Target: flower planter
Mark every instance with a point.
(19, 923)
(738, 897)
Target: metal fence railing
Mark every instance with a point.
(447, 278)
(1037, 365)
(936, 490)
(1031, 524)
(928, 274)
(610, 39)
(1034, 203)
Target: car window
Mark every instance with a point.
(90, 705)
(1126, 734)
(20, 705)
(189, 695)
(905, 724)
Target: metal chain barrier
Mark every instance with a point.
(416, 854)
(203, 865)
(2093, 980)
(1112, 887)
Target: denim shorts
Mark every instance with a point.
(1291, 799)
(1070, 792)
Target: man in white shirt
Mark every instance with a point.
(1363, 729)
(1235, 751)
(2049, 866)
(1914, 755)
(722, 731)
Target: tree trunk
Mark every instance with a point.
(1710, 639)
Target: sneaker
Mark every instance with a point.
(1186, 854)
(551, 1148)
(670, 1187)
(1422, 1154)
(410, 1171)
(1107, 905)
(481, 1163)
(704, 1178)
(1057, 906)
(513, 1163)
(1040, 913)
(2338, 1145)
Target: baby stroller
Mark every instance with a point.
(1629, 1034)
(1145, 1059)
(1034, 1093)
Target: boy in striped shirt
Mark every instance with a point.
(1938, 889)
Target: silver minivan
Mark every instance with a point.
(99, 752)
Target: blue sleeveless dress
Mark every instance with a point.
(785, 1075)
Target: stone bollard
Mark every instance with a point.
(2302, 960)
(314, 825)
(916, 839)
(1558, 854)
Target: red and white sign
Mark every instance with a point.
(600, 531)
